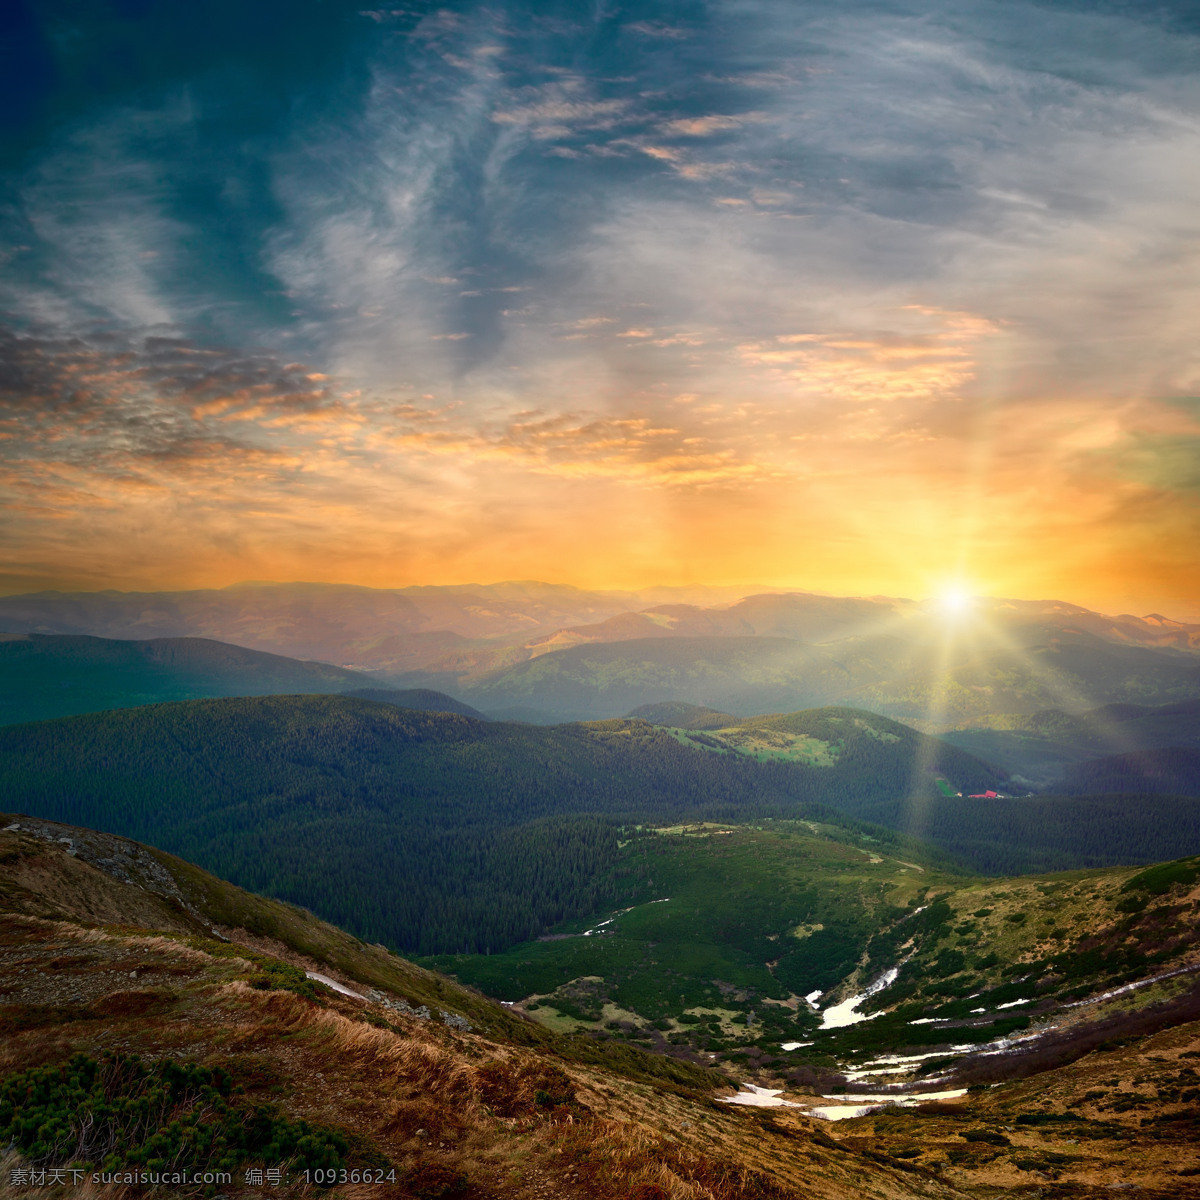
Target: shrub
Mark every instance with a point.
(648, 1191)
(988, 1136)
(516, 1089)
(122, 1112)
(1158, 880)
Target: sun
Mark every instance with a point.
(955, 600)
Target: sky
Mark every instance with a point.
(859, 297)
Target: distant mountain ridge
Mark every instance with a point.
(552, 653)
(48, 676)
(902, 672)
(374, 628)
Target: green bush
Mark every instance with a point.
(123, 1112)
(1158, 880)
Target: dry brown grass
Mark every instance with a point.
(414, 1057)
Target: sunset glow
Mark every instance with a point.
(847, 298)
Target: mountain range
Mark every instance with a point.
(545, 653)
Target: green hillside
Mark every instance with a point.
(1095, 821)
(734, 926)
(429, 831)
(56, 676)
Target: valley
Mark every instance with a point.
(757, 940)
(112, 949)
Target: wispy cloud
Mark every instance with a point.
(893, 256)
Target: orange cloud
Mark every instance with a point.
(841, 459)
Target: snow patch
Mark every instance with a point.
(866, 1104)
(757, 1097)
(846, 1013)
(337, 987)
(1132, 987)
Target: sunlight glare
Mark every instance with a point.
(955, 601)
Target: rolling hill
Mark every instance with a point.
(1040, 747)
(433, 832)
(48, 676)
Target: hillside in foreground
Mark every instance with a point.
(110, 950)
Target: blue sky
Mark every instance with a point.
(421, 293)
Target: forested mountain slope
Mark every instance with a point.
(1041, 746)
(426, 830)
(1172, 770)
(420, 698)
(434, 832)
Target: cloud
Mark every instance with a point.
(706, 126)
(952, 250)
